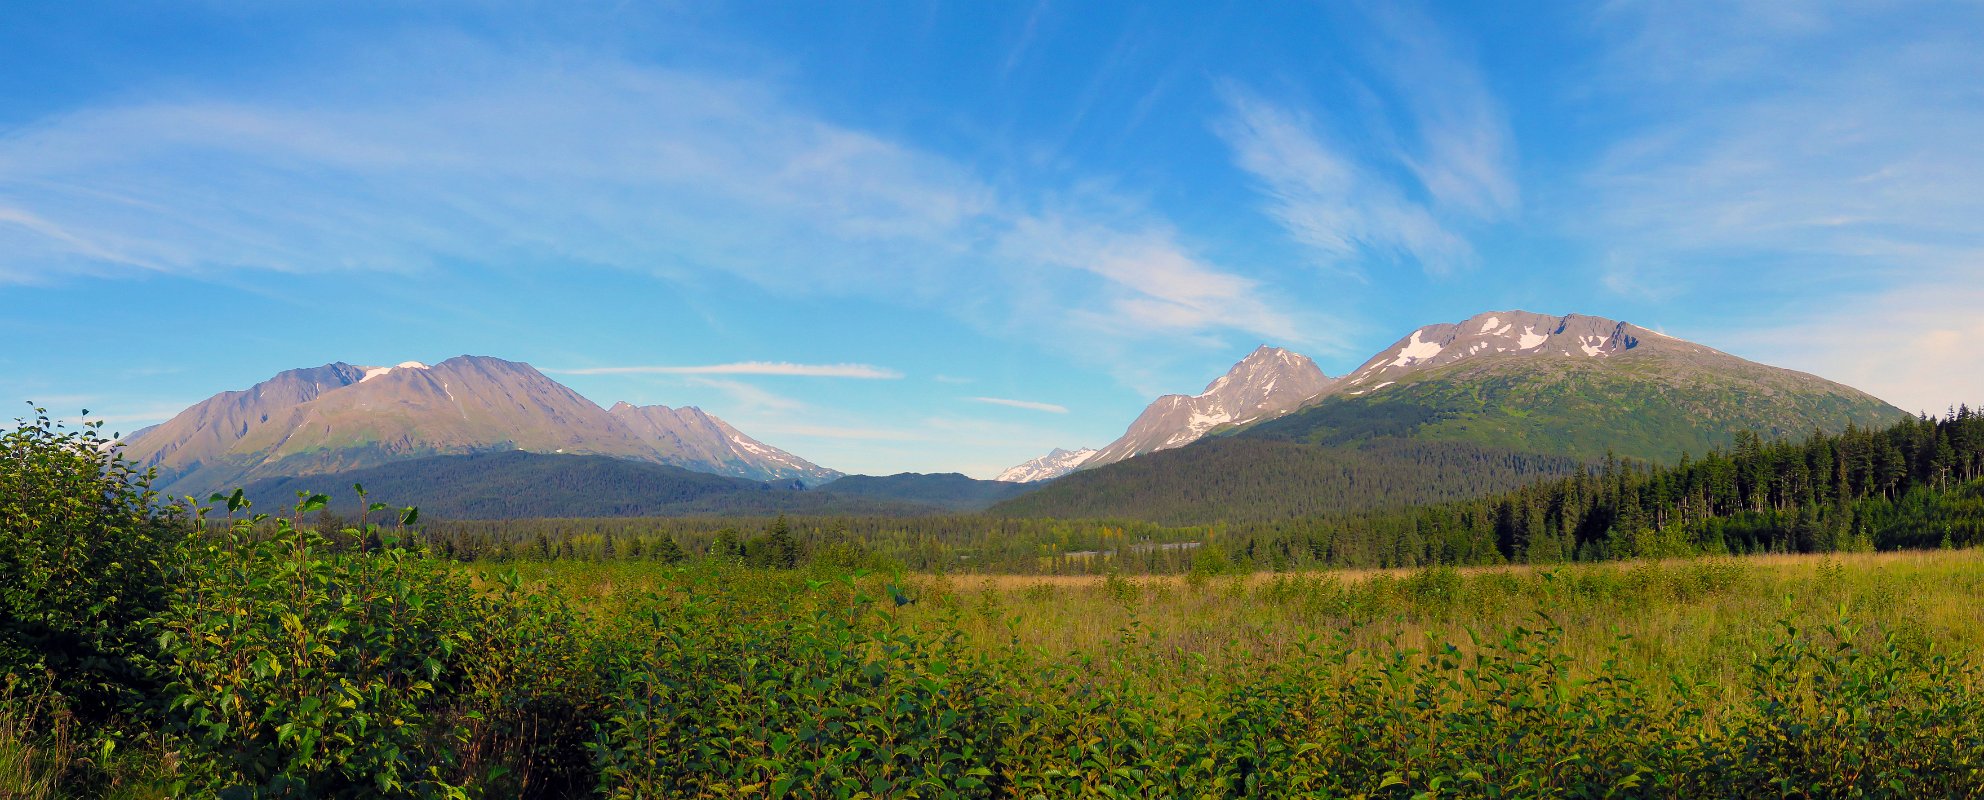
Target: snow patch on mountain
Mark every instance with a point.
(1416, 351)
(1055, 464)
(380, 372)
(1269, 382)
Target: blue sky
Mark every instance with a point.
(934, 237)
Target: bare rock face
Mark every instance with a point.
(1055, 464)
(1269, 387)
(689, 438)
(342, 416)
(1506, 333)
(1270, 381)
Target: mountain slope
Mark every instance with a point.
(947, 490)
(1223, 479)
(516, 484)
(691, 438)
(1583, 387)
(340, 416)
(1055, 464)
(1267, 382)
(1458, 408)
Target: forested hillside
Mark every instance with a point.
(1253, 480)
(947, 490)
(1649, 403)
(1919, 483)
(517, 484)
(1916, 484)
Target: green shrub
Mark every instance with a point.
(1838, 715)
(722, 698)
(534, 684)
(84, 557)
(298, 669)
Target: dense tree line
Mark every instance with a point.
(1916, 484)
(519, 484)
(940, 543)
(1242, 480)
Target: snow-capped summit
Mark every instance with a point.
(690, 438)
(1055, 464)
(1501, 332)
(1269, 382)
(380, 372)
(342, 416)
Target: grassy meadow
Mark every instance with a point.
(148, 652)
(1806, 676)
(1698, 620)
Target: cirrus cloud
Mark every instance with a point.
(859, 371)
(1029, 405)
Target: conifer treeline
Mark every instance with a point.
(1242, 480)
(948, 543)
(1917, 484)
(1912, 485)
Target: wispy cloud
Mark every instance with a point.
(860, 371)
(754, 399)
(1458, 142)
(1863, 164)
(1026, 404)
(1330, 202)
(1407, 194)
(1914, 347)
(804, 431)
(390, 164)
(1820, 169)
(1150, 284)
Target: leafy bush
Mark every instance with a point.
(717, 697)
(302, 670)
(1839, 716)
(535, 682)
(84, 557)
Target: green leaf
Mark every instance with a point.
(315, 502)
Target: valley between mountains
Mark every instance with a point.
(1450, 410)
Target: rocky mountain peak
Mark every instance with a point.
(1056, 463)
(1504, 333)
(688, 437)
(340, 416)
(1268, 382)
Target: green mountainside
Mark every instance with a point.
(948, 490)
(340, 417)
(518, 484)
(1223, 479)
(1650, 404)
(1456, 410)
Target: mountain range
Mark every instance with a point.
(515, 484)
(1269, 382)
(1607, 368)
(1574, 385)
(341, 417)
(1493, 387)
(1511, 392)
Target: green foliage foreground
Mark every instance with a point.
(279, 660)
